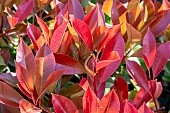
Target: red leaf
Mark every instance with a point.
(24, 9)
(126, 106)
(84, 32)
(162, 24)
(66, 43)
(24, 78)
(99, 34)
(84, 83)
(144, 109)
(35, 36)
(75, 8)
(8, 95)
(149, 48)
(63, 105)
(110, 103)
(94, 18)
(27, 107)
(57, 38)
(115, 44)
(44, 28)
(54, 77)
(161, 57)
(113, 56)
(121, 88)
(90, 103)
(68, 61)
(12, 21)
(25, 57)
(165, 4)
(137, 73)
(45, 65)
(9, 78)
(111, 33)
(59, 6)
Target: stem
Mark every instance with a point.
(2, 23)
(153, 92)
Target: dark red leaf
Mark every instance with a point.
(115, 44)
(24, 9)
(110, 103)
(94, 18)
(68, 61)
(8, 109)
(161, 57)
(63, 105)
(161, 25)
(111, 33)
(84, 32)
(44, 28)
(27, 107)
(149, 48)
(57, 37)
(35, 36)
(59, 6)
(9, 96)
(137, 73)
(75, 8)
(144, 109)
(90, 102)
(115, 13)
(121, 88)
(127, 107)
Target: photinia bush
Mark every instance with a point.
(78, 56)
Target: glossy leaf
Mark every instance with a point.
(161, 57)
(115, 44)
(149, 49)
(137, 73)
(73, 5)
(84, 32)
(24, 9)
(68, 61)
(12, 21)
(24, 77)
(107, 6)
(84, 83)
(44, 28)
(63, 105)
(165, 4)
(111, 33)
(12, 99)
(121, 88)
(57, 38)
(94, 18)
(45, 65)
(110, 103)
(90, 102)
(35, 36)
(27, 107)
(9, 78)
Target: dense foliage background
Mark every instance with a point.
(88, 56)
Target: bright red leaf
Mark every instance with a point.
(127, 106)
(90, 102)
(144, 109)
(84, 32)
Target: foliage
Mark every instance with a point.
(88, 56)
